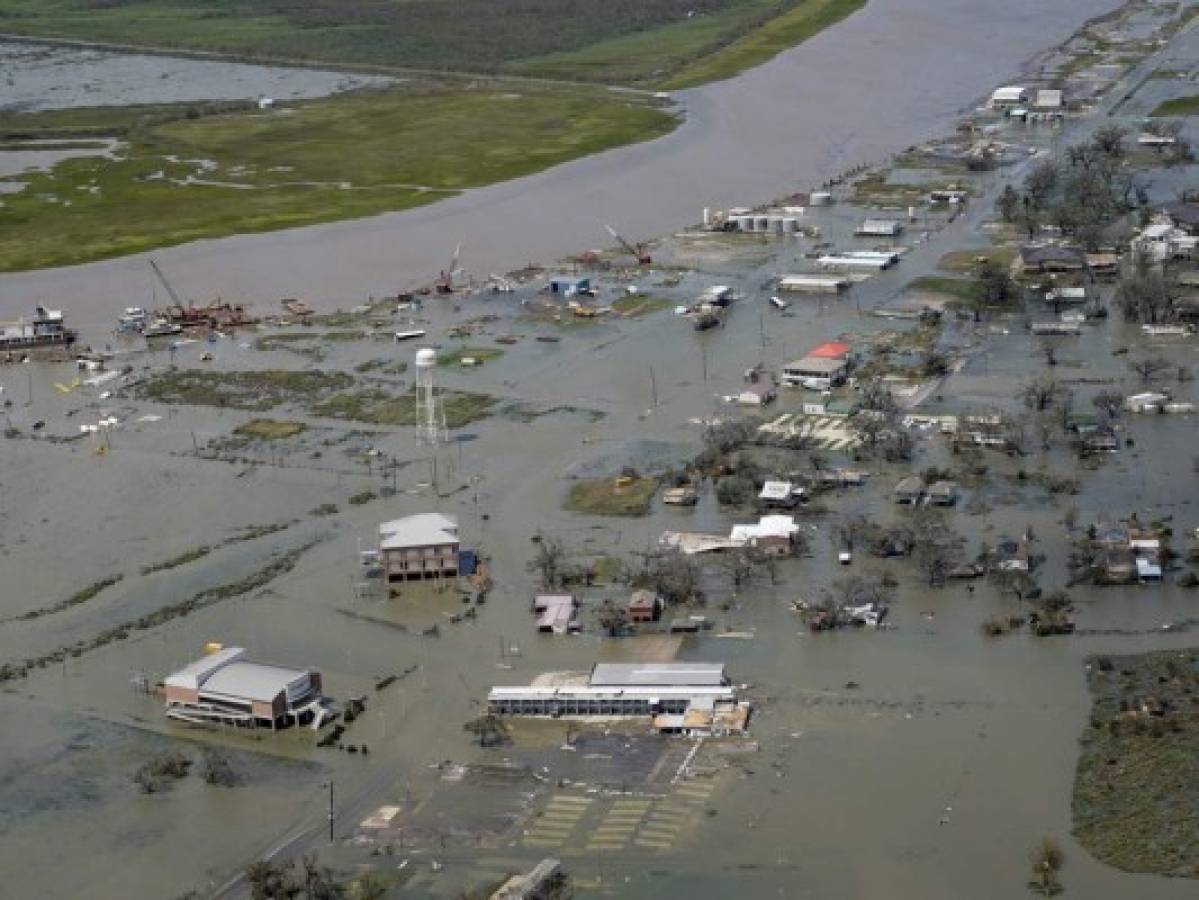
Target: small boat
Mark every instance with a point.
(410, 335)
(296, 307)
(161, 328)
(134, 318)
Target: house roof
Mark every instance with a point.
(1009, 94)
(830, 350)
(1036, 254)
(910, 485)
(776, 490)
(1048, 99)
(819, 365)
(939, 488)
(643, 599)
(420, 530)
(1182, 212)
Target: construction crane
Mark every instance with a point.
(637, 251)
(166, 284)
(445, 281)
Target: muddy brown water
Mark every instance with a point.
(890, 75)
(931, 779)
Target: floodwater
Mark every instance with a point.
(890, 75)
(931, 779)
(40, 77)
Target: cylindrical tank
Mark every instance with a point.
(426, 358)
(707, 217)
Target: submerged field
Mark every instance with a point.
(184, 172)
(588, 40)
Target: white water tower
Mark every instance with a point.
(430, 414)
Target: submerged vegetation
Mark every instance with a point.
(1136, 797)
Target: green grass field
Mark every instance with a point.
(292, 166)
(680, 43)
(1179, 106)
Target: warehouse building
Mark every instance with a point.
(226, 688)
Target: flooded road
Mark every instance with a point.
(886, 77)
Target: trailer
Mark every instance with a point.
(813, 284)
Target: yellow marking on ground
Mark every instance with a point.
(541, 842)
(569, 798)
(653, 845)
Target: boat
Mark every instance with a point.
(296, 307)
(134, 318)
(409, 335)
(161, 328)
(45, 329)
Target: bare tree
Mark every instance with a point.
(1109, 403)
(1109, 140)
(549, 561)
(1150, 368)
(1041, 393)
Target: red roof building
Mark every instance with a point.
(831, 350)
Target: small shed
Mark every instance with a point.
(644, 606)
(1148, 571)
(781, 494)
(880, 228)
(909, 490)
(943, 493)
(760, 394)
(1009, 95)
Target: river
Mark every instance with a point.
(893, 74)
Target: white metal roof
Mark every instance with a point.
(420, 530)
(1009, 94)
(251, 681)
(657, 674)
(820, 365)
(767, 526)
(196, 673)
(1048, 99)
(776, 490)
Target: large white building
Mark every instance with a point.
(418, 547)
(224, 687)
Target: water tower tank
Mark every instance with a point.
(426, 358)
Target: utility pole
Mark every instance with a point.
(762, 329)
(330, 784)
(703, 355)
(653, 386)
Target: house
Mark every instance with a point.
(556, 613)
(1047, 100)
(1103, 265)
(772, 534)
(418, 547)
(685, 495)
(910, 490)
(718, 295)
(943, 493)
(1147, 402)
(781, 494)
(1149, 571)
(831, 350)
(644, 606)
(880, 228)
(1183, 215)
(760, 394)
(1162, 239)
(817, 373)
(570, 285)
(835, 478)
(1012, 556)
(1009, 96)
(1066, 296)
(224, 687)
(1046, 258)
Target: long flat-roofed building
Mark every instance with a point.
(620, 689)
(225, 687)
